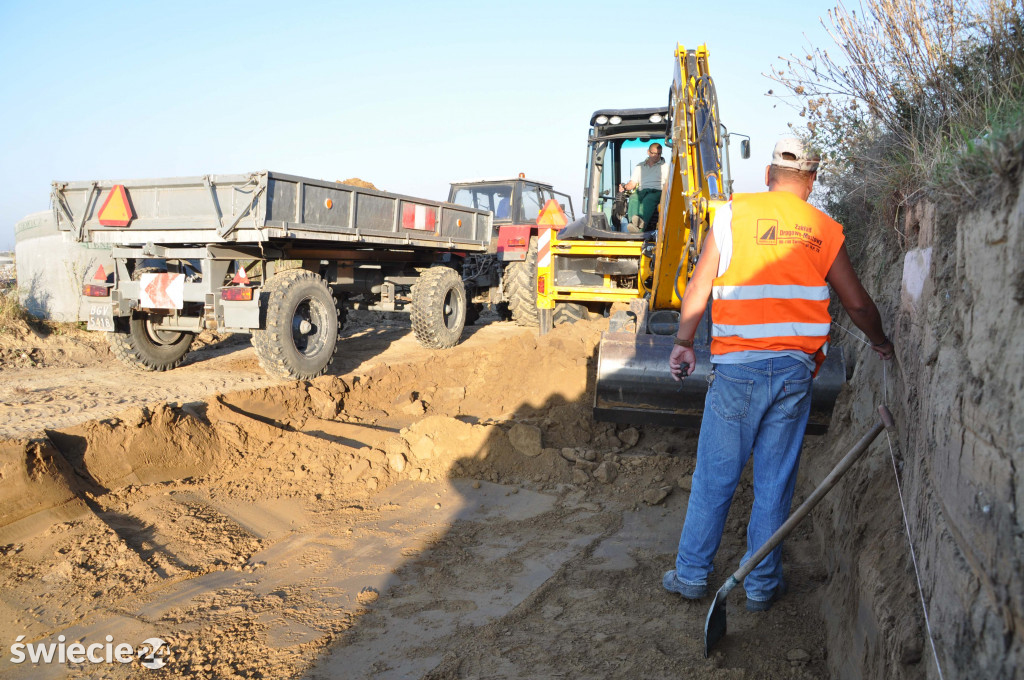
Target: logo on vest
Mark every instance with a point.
(766, 232)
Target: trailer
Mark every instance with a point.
(277, 256)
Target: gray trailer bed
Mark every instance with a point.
(261, 207)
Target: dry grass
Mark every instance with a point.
(916, 98)
(15, 320)
(13, 316)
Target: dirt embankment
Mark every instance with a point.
(954, 308)
(457, 515)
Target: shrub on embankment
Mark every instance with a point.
(917, 99)
(919, 112)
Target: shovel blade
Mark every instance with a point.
(714, 627)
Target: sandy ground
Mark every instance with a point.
(413, 514)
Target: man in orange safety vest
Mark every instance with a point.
(766, 265)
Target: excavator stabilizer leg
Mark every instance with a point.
(634, 385)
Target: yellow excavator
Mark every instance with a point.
(598, 260)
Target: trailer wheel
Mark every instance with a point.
(139, 345)
(521, 288)
(569, 312)
(300, 335)
(438, 308)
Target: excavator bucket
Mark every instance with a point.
(634, 385)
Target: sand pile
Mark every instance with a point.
(356, 182)
(516, 412)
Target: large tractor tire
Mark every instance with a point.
(521, 288)
(569, 312)
(438, 308)
(139, 345)
(300, 335)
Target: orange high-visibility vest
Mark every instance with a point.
(773, 296)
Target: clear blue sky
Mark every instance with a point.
(408, 96)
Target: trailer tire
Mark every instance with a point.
(569, 312)
(438, 308)
(138, 345)
(300, 334)
(521, 288)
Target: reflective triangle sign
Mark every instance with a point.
(116, 210)
(551, 215)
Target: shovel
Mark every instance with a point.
(714, 627)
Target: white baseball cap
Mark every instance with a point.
(793, 153)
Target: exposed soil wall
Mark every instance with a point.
(953, 305)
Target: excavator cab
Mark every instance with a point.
(618, 141)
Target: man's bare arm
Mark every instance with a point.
(695, 299)
(857, 303)
(698, 290)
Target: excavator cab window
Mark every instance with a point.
(620, 157)
(634, 151)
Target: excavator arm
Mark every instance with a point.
(695, 187)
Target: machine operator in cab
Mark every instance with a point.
(650, 177)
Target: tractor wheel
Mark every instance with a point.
(569, 312)
(438, 308)
(300, 334)
(139, 345)
(521, 288)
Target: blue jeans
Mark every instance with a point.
(759, 407)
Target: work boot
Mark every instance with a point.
(765, 605)
(674, 585)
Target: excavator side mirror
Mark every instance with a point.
(744, 148)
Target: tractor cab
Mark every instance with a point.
(516, 204)
(513, 201)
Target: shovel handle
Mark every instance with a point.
(826, 485)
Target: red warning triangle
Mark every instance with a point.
(116, 210)
(240, 277)
(101, 275)
(551, 215)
